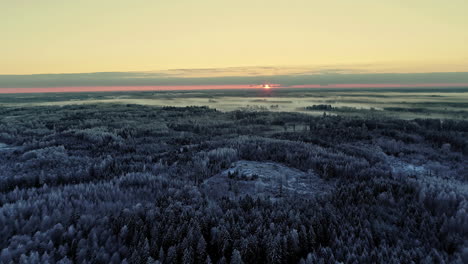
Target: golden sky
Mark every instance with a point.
(56, 36)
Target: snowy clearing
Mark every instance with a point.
(264, 179)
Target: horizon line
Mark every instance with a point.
(129, 88)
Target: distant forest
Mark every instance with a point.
(116, 183)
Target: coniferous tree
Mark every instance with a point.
(236, 257)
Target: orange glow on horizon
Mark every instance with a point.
(77, 89)
(71, 89)
(379, 85)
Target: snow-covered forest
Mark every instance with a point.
(116, 183)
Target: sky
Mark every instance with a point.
(215, 39)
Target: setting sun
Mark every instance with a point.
(266, 86)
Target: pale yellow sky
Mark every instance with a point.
(56, 36)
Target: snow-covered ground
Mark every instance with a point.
(402, 168)
(264, 179)
(5, 147)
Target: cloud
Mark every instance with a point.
(285, 76)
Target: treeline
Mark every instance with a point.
(120, 184)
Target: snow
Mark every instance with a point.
(5, 147)
(264, 179)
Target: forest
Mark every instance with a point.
(128, 183)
